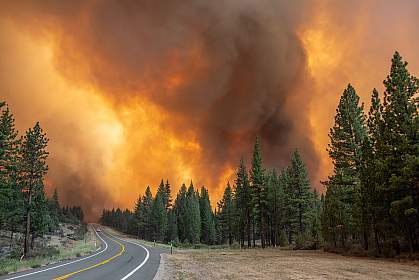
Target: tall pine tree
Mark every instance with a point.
(33, 167)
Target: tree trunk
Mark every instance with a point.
(242, 235)
(300, 218)
(33, 239)
(11, 238)
(365, 239)
(410, 239)
(248, 231)
(377, 242)
(254, 232)
(28, 224)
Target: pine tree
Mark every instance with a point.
(159, 217)
(370, 197)
(290, 221)
(11, 211)
(226, 215)
(54, 209)
(244, 203)
(193, 216)
(346, 138)
(401, 149)
(172, 231)
(148, 205)
(138, 216)
(275, 206)
(32, 168)
(168, 192)
(301, 186)
(259, 195)
(206, 216)
(41, 220)
(180, 211)
(8, 145)
(314, 219)
(162, 192)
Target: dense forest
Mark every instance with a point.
(24, 205)
(263, 208)
(370, 202)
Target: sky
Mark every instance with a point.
(130, 92)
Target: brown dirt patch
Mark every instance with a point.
(279, 264)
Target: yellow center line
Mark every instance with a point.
(98, 264)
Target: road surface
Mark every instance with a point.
(116, 259)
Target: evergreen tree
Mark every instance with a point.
(33, 167)
(159, 217)
(226, 215)
(370, 196)
(41, 221)
(346, 138)
(400, 156)
(180, 211)
(172, 231)
(244, 202)
(54, 210)
(168, 192)
(193, 216)
(290, 221)
(301, 186)
(146, 211)
(11, 199)
(275, 207)
(139, 216)
(259, 195)
(206, 217)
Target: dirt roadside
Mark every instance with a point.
(278, 264)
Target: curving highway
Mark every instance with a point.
(117, 259)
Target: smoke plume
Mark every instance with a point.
(130, 92)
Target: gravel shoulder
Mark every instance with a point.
(279, 264)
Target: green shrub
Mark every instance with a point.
(304, 241)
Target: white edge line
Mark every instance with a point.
(141, 264)
(61, 265)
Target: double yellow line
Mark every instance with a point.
(98, 264)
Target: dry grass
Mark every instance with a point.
(67, 249)
(279, 264)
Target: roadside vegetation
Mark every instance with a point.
(370, 206)
(63, 248)
(34, 228)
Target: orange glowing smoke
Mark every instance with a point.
(130, 94)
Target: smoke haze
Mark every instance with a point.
(130, 92)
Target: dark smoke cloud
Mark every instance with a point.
(241, 66)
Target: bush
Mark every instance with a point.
(283, 240)
(388, 250)
(43, 252)
(304, 242)
(358, 251)
(79, 232)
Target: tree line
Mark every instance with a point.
(372, 197)
(370, 204)
(24, 205)
(262, 208)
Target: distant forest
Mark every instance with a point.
(370, 205)
(24, 206)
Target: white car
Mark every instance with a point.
(98, 230)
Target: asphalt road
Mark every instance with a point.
(116, 259)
